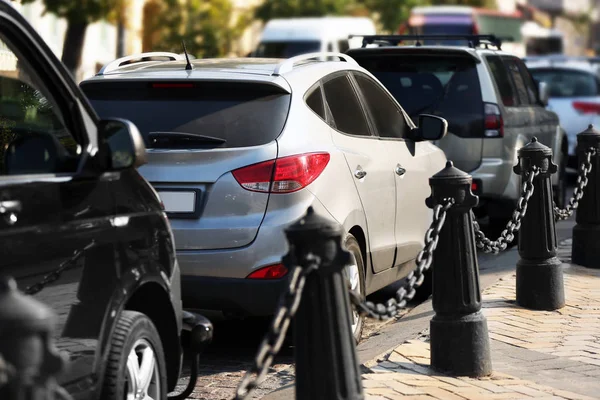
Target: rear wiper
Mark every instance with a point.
(170, 139)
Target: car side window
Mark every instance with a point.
(33, 135)
(517, 78)
(387, 116)
(315, 102)
(529, 82)
(345, 108)
(502, 78)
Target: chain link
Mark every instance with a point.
(416, 277)
(582, 181)
(55, 275)
(508, 234)
(273, 340)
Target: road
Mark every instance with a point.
(236, 342)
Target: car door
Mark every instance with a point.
(374, 180)
(409, 162)
(55, 215)
(526, 115)
(546, 120)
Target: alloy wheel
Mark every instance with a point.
(143, 380)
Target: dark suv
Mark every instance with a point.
(81, 230)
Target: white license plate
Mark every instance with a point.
(178, 202)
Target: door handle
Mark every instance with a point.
(360, 173)
(399, 170)
(9, 210)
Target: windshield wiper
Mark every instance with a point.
(171, 139)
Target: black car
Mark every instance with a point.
(81, 230)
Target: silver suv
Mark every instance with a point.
(239, 148)
(491, 102)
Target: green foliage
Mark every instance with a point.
(301, 8)
(83, 11)
(205, 25)
(392, 13)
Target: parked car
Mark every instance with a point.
(238, 149)
(81, 231)
(490, 101)
(289, 37)
(574, 91)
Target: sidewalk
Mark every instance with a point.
(535, 354)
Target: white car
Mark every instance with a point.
(574, 88)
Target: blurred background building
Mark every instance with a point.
(218, 28)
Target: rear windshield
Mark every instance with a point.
(286, 49)
(432, 84)
(567, 83)
(239, 115)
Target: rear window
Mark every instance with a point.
(286, 49)
(238, 115)
(446, 86)
(567, 83)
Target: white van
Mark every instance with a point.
(284, 38)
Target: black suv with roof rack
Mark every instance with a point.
(491, 102)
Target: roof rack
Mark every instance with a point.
(288, 65)
(473, 40)
(144, 57)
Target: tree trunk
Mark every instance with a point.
(73, 45)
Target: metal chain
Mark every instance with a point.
(582, 181)
(55, 275)
(273, 340)
(416, 277)
(508, 234)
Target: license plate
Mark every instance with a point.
(178, 202)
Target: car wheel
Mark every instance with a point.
(355, 275)
(136, 367)
(560, 190)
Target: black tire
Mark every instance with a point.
(131, 327)
(354, 248)
(560, 190)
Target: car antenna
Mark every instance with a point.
(189, 65)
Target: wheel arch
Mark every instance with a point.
(360, 237)
(152, 300)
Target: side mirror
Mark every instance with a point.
(123, 144)
(431, 127)
(543, 93)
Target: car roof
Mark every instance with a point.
(576, 64)
(475, 53)
(277, 72)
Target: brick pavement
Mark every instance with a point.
(535, 354)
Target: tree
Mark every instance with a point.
(79, 14)
(208, 27)
(301, 8)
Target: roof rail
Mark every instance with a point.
(288, 65)
(144, 57)
(474, 40)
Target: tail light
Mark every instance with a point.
(586, 108)
(284, 175)
(275, 271)
(494, 125)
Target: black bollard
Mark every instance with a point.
(459, 340)
(325, 353)
(586, 234)
(26, 346)
(539, 272)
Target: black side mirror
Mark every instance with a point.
(431, 127)
(123, 144)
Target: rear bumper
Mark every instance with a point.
(246, 297)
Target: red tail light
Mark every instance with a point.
(586, 108)
(494, 125)
(270, 272)
(284, 175)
